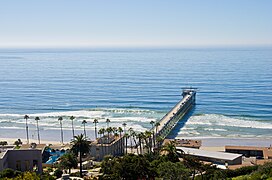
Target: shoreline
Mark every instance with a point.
(12, 140)
(234, 141)
(208, 143)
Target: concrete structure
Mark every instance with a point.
(190, 143)
(21, 159)
(212, 156)
(169, 121)
(114, 145)
(251, 151)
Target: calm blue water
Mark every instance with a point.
(136, 86)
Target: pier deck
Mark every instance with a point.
(169, 121)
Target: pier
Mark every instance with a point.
(169, 121)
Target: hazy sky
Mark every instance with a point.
(135, 23)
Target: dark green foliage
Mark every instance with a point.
(68, 161)
(81, 147)
(76, 174)
(128, 167)
(143, 167)
(46, 176)
(9, 173)
(173, 171)
(58, 173)
(3, 143)
(172, 154)
(240, 171)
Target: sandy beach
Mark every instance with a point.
(12, 140)
(219, 143)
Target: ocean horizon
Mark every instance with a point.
(234, 96)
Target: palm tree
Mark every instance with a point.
(109, 130)
(157, 124)
(95, 129)
(61, 132)
(159, 140)
(84, 122)
(126, 136)
(152, 123)
(73, 131)
(148, 136)
(120, 130)
(27, 137)
(135, 142)
(68, 161)
(80, 146)
(140, 136)
(38, 132)
(153, 134)
(108, 122)
(130, 130)
(124, 125)
(114, 130)
(172, 151)
(101, 132)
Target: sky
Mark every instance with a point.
(114, 23)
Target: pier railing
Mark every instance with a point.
(169, 121)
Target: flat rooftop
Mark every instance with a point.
(267, 151)
(209, 154)
(4, 149)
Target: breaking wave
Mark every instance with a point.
(221, 120)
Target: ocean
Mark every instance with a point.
(234, 96)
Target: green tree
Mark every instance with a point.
(61, 132)
(26, 117)
(58, 173)
(128, 167)
(140, 137)
(124, 126)
(148, 136)
(80, 146)
(120, 130)
(68, 161)
(171, 150)
(133, 134)
(193, 164)
(84, 122)
(18, 143)
(73, 130)
(95, 128)
(27, 176)
(37, 119)
(173, 171)
(108, 122)
(153, 134)
(130, 130)
(126, 143)
(102, 132)
(3, 143)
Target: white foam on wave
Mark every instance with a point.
(188, 133)
(133, 117)
(221, 120)
(214, 129)
(77, 114)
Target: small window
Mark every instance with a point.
(18, 165)
(27, 167)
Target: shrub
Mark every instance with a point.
(58, 173)
(9, 173)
